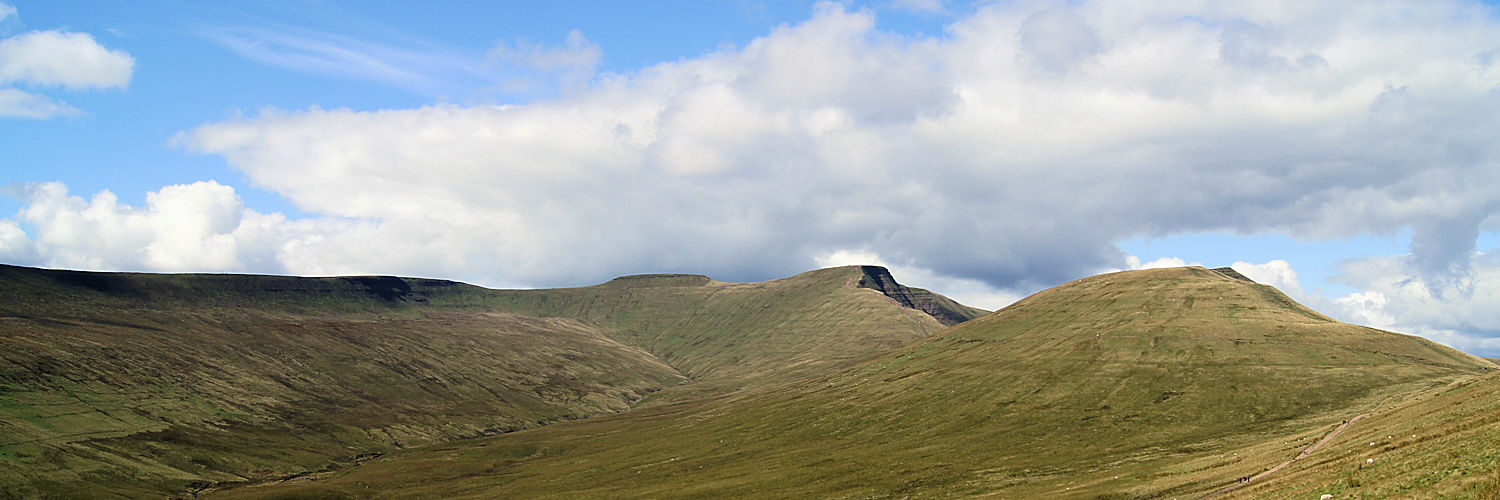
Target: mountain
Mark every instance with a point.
(1124, 385)
(737, 335)
(148, 384)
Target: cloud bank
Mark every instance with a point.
(1014, 150)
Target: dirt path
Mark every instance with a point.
(1306, 452)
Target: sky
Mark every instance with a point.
(1341, 151)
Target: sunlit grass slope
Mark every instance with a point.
(1439, 443)
(1123, 385)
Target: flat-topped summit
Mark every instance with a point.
(660, 279)
(240, 290)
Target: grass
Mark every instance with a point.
(146, 385)
(1139, 384)
(1434, 443)
(349, 383)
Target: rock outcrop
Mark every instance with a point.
(945, 310)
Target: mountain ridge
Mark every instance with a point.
(1120, 384)
(684, 319)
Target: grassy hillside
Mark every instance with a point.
(1436, 443)
(144, 384)
(1135, 384)
(736, 335)
(154, 382)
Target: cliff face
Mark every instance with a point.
(945, 310)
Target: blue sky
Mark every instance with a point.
(1340, 151)
(186, 76)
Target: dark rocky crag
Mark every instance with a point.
(945, 310)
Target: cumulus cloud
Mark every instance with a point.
(1396, 293)
(71, 60)
(182, 228)
(1277, 273)
(74, 61)
(1014, 150)
(205, 226)
(15, 246)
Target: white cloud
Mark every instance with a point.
(54, 58)
(1364, 308)
(1396, 294)
(71, 60)
(14, 245)
(183, 228)
(1058, 39)
(21, 104)
(204, 226)
(1132, 262)
(1277, 273)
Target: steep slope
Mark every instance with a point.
(1119, 384)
